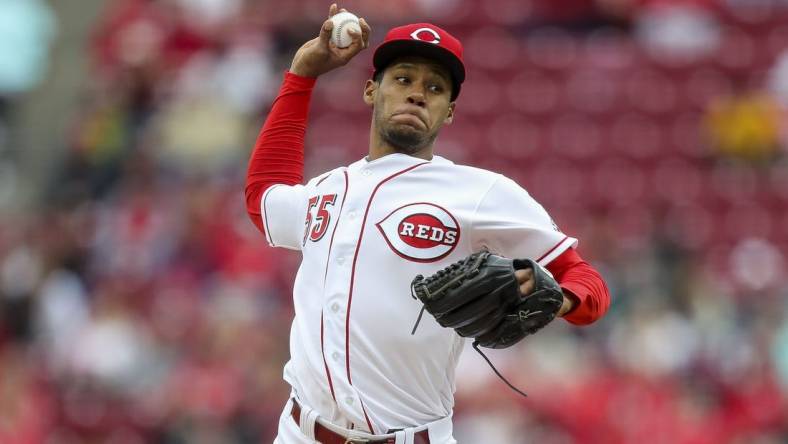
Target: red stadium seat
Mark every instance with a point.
(344, 93)
(575, 136)
(651, 91)
(551, 48)
(467, 134)
(609, 49)
(620, 182)
(736, 50)
(336, 130)
(676, 181)
(637, 136)
(533, 92)
(733, 183)
(482, 96)
(780, 219)
(505, 12)
(777, 41)
(513, 137)
(592, 91)
(686, 135)
(706, 84)
(692, 226)
(556, 182)
(633, 224)
(491, 48)
(778, 182)
(747, 220)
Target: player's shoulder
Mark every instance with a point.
(465, 170)
(494, 181)
(334, 174)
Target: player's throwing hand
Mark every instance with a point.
(319, 55)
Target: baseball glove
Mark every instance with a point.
(479, 297)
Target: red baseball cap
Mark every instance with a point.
(426, 40)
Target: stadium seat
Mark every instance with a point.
(551, 48)
(492, 48)
(637, 136)
(575, 136)
(651, 91)
(533, 92)
(675, 180)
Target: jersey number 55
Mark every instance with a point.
(315, 229)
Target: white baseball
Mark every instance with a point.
(343, 22)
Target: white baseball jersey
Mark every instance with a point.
(365, 231)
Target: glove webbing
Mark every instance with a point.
(475, 347)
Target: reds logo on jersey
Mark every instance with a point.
(421, 232)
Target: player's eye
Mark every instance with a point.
(402, 79)
(436, 89)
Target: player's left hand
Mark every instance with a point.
(526, 280)
(481, 297)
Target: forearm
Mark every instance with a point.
(278, 155)
(582, 285)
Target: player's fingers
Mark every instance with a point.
(325, 32)
(526, 280)
(356, 44)
(523, 275)
(365, 31)
(332, 10)
(527, 287)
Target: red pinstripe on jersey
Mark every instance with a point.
(330, 244)
(323, 352)
(353, 276)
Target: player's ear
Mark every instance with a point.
(450, 115)
(370, 89)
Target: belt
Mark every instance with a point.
(324, 435)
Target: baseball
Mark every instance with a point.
(343, 22)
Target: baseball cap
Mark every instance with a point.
(426, 40)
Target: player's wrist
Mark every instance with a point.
(570, 303)
(303, 72)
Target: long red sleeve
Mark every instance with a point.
(278, 155)
(579, 278)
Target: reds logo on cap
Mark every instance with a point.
(428, 35)
(421, 232)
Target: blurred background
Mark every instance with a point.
(138, 304)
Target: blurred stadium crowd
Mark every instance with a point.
(138, 304)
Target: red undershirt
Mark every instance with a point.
(278, 158)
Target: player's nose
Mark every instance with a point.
(416, 98)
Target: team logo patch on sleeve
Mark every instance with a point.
(421, 232)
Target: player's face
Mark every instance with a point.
(411, 103)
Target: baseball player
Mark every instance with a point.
(358, 371)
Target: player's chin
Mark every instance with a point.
(408, 131)
(407, 137)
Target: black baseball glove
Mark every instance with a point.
(479, 297)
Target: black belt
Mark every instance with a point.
(325, 435)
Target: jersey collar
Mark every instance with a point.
(395, 160)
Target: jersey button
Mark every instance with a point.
(336, 356)
(340, 260)
(349, 400)
(352, 215)
(366, 172)
(335, 307)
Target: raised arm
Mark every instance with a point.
(278, 155)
